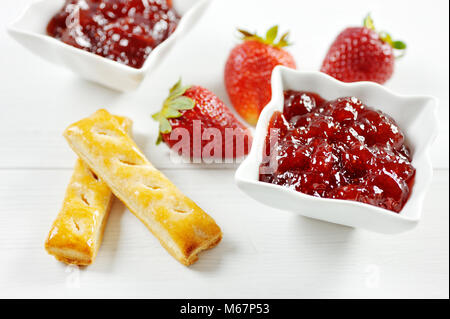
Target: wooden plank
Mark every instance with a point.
(265, 252)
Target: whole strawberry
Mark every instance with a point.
(362, 54)
(195, 123)
(249, 68)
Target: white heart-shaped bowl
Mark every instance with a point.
(416, 116)
(30, 31)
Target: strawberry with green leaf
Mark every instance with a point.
(193, 118)
(362, 54)
(249, 69)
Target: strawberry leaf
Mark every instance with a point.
(386, 37)
(171, 108)
(271, 34)
(284, 41)
(175, 90)
(368, 22)
(182, 103)
(164, 126)
(270, 39)
(170, 113)
(160, 139)
(246, 33)
(399, 45)
(248, 36)
(285, 36)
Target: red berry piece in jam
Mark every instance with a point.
(357, 161)
(298, 103)
(312, 183)
(345, 109)
(323, 159)
(351, 192)
(294, 157)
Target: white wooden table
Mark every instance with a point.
(265, 252)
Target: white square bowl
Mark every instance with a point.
(30, 31)
(416, 116)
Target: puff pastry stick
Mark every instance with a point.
(77, 232)
(182, 227)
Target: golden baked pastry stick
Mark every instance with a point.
(182, 227)
(77, 232)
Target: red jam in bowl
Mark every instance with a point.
(339, 149)
(125, 31)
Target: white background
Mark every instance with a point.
(264, 253)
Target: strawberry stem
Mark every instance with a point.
(171, 108)
(270, 38)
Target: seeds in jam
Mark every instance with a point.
(339, 149)
(125, 31)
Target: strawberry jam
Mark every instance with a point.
(125, 31)
(339, 149)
